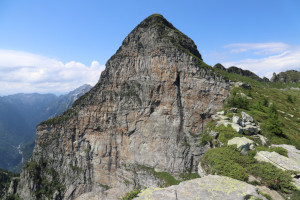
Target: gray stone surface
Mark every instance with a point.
(278, 160)
(211, 187)
(243, 144)
(246, 117)
(236, 120)
(272, 193)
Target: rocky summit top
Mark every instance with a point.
(154, 36)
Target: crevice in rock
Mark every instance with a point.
(179, 104)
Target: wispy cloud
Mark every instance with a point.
(258, 48)
(27, 72)
(276, 57)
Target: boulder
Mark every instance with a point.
(293, 153)
(262, 139)
(236, 120)
(246, 117)
(237, 127)
(223, 122)
(243, 144)
(278, 160)
(201, 171)
(209, 187)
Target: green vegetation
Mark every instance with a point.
(131, 195)
(278, 119)
(228, 161)
(106, 187)
(266, 195)
(276, 110)
(76, 169)
(5, 179)
(238, 101)
(206, 139)
(40, 173)
(13, 197)
(165, 176)
(226, 133)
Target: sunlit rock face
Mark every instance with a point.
(145, 112)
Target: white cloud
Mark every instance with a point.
(277, 57)
(27, 72)
(259, 48)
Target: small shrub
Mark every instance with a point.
(238, 101)
(226, 133)
(273, 124)
(206, 139)
(132, 194)
(220, 161)
(290, 99)
(265, 102)
(271, 176)
(228, 161)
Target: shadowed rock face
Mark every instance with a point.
(144, 111)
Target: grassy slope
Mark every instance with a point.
(275, 93)
(228, 161)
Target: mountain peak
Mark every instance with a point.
(156, 36)
(154, 20)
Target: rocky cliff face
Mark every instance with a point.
(143, 115)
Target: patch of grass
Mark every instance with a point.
(188, 176)
(228, 161)
(226, 133)
(206, 138)
(225, 161)
(165, 176)
(266, 195)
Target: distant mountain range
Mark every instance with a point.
(19, 115)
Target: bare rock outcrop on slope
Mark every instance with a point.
(144, 113)
(206, 188)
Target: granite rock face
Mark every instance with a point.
(144, 113)
(206, 188)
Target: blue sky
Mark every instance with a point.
(57, 45)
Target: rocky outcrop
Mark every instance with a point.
(206, 188)
(237, 70)
(244, 125)
(277, 160)
(290, 76)
(144, 116)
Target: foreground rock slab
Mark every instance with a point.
(278, 160)
(206, 188)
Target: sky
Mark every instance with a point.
(54, 46)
